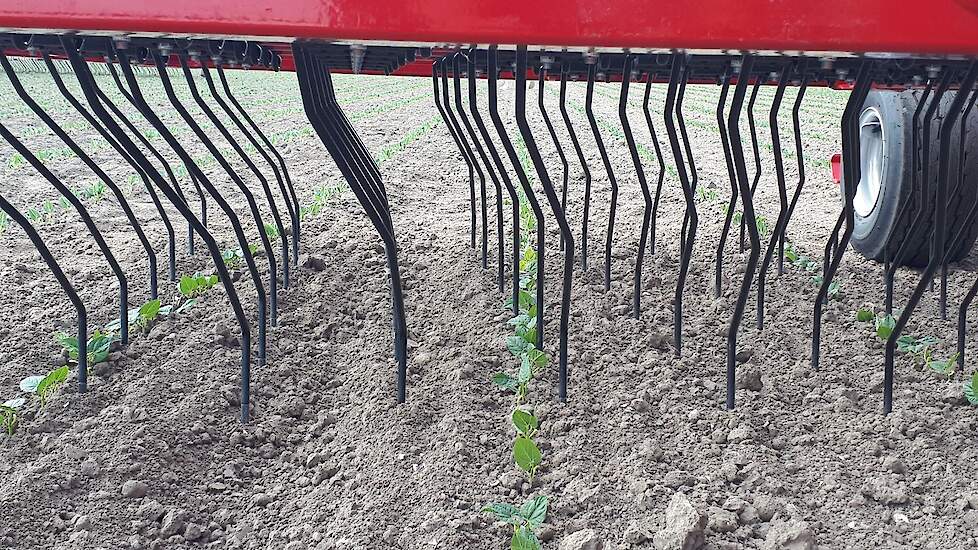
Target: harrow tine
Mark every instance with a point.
(360, 172)
(123, 203)
(276, 217)
(756, 148)
(466, 151)
(159, 157)
(456, 75)
(959, 236)
(936, 257)
(558, 212)
(474, 108)
(542, 75)
(924, 185)
(266, 244)
(69, 289)
(782, 191)
(799, 156)
(493, 73)
(592, 66)
(626, 72)
(92, 94)
(291, 199)
(659, 158)
(732, 175)
(514, 159)
(740, 165)
(851, 173)
(564, 69)
(160, 60)
(687, 147)
(501, 169)
(677, 75)
(65, 192)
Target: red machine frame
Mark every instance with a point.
(936, 27)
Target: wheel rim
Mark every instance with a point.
(872, 162)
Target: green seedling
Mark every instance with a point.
(49, 208)
(865, 315)
(525, 520)
(527, 455)
(45, 385)
(4, 222)
(884, 326)
(192, 286)
(946, 368)
(94, 191)
(525, 423)
(97, 348)
(65, 203)
(919, 349)
(148, 313)
(34, 215)
(971, 389)
(271, 231)
(834, 286)
(234, 257)
(707, 194)
(8, 414)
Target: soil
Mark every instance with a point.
(154, 456)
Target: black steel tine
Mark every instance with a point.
(293, 199)
(676, 75)
(799, 154)
(95, 168)
(626, 72)
(66, 285)
(688, 148)
(935, 258)
(782, 189)
(531, 198)
(591, 72)
(542, 75)
(962, 324)
(161, 63)
(456, 80)
(917, 222)
(659, 158)
(740, 166)
(564, 69)
(70, 196)
(326, 118)
(731, 174)
(467, 153)
(558, 213)
(851, 173)
(963, 230)
(87, 83)
(756, 149)
(514, 197)
(259, 222)
(156, 154)
(501, 169)
(276, 217)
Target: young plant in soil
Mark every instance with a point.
(945, 368)
(971, 389)
(45, 385)
(234, 257)
(525, 521)
(192, 286)
(98, 346)
(8, 414)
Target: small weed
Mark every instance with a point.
(95, 191)
(192, 286)
(8, 414)
(525, 520)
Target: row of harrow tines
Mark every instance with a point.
(740, 78)
(129, 64)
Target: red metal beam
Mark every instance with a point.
(937, 26)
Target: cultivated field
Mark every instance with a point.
(154, 456)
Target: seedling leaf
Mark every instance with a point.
(504, 512)
(865, 315)
(505, 381)
(525, 423)
(527, 454)
(517, 345)
(971, 389)
(884, 326)
(524, 539)
(15, 403)
(535, 511)
(31, 383)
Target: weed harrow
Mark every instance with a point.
(922, 212)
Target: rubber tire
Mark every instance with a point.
(872, 232)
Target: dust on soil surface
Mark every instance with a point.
(153, 456)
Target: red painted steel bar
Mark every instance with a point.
(934, 27)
